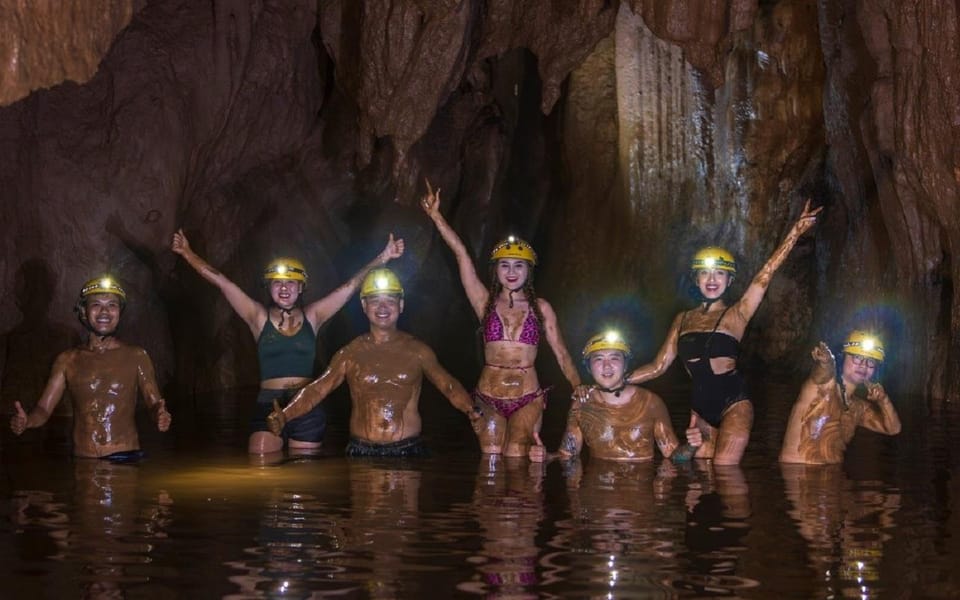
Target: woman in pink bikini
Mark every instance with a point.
(513, 320)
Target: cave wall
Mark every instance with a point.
(617, 136)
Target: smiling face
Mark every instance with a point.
(857, 369)
(102, 312)
(607, 367)
(512, 273)
(285, 292)
(712, 283)
(382, 310)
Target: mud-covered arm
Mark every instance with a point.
(51, 396)
(320, 311)
(880, 415)
(752, 298)
(663, 359)
(663, 429)
(448, 385)
(555, 339)
(312, 394)
(147, 381)
(824, 369)
(477, 293)
(571, 443)
(252, 312)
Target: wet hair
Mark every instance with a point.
(528, 292)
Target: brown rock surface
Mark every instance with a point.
(616, 136)
(43, 43)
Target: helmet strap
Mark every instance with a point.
(708, 302)
(614, 390)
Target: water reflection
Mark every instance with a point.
(508, 505)
(718, 521)
(845, 525)
(105, 529)
(618, 536)
(312, 543)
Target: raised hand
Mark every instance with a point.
(808, 218)
(875, 392)
(18, 422)
(822, 353)
(431, 202)
(393, 249)
(163, 417)
(276, 419)
(180, 244)
(694, 434)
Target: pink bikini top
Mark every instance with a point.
(493, 329)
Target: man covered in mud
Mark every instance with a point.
(616, 420)
(384, 369)
(829, 408)
(103, 377)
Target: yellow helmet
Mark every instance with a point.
(713, 257)
(104, 284)
(514, 247)
(608, 340)
(863, 343)
(381, 281)
(286, 268)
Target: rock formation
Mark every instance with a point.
(617, 136)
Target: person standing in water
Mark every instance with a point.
(384, 369)
(286, 334)
(617, 421)
(707, 338)
(829, 408)
(103, 377)
(513, 319)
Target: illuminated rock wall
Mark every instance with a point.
(617, 136)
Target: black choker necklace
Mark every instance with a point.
(615, 391)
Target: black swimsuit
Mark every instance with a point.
(713, 393)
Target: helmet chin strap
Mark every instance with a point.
(614, 390)
(708, 302)
(284, 313)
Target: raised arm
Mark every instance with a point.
(552, 332)
(252, 312)
(312, 394)
(477, 293)
(147, 380)
(319, 312)
(662, 360)
(824, 369)
(52, 393)
(880, 415)
(752, 298)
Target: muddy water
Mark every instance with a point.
(198, 518)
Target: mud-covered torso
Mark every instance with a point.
(626, 431)
(103, 387)
(828, 425)
(385, 381)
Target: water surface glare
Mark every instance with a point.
(204, 520)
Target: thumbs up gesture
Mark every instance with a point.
(18, 422)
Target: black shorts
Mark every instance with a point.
(308, 428)
(409, 447)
